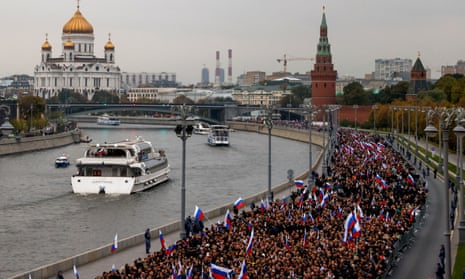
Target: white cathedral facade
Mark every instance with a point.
(77, 68)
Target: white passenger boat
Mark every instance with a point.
(120, 168)
(107, 120)
(201, 128)
(218, 135)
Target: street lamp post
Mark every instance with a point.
(323, 166)
(409, 154)
(269, 125)
(183, 131)
(374, 107)
(459, 131)
(402, 127)
(445, 117)
(309, 107)
(355, 108)
(416, 137)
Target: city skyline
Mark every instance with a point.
(183, 36)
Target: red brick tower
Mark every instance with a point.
(323, 75)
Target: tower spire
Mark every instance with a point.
(78, 4)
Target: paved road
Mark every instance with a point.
(419, 261)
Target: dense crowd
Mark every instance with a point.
(344, 226)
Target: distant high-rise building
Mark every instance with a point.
(397, 68)
(254, 77)
(205, 79)
(323, 74)
(459, 68)
(132, 80)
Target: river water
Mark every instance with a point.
(42, 221)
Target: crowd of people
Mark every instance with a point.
(343, 226)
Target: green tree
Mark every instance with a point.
(105, 97)
(182, 99)
(355, 94)
(31, 108)
(435, 95)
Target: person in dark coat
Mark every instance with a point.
(147, 240)
(60, 275)
(440, 271)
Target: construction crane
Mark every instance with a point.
(285, 59)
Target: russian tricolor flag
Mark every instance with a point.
(243, 274)
(227, 220)
(250, 244)
(299, 184)
(239, 203)
(114, 246)
(162, 239)
(198, 213)
(170, 250)
(76, 274)
(262, 207)
(410, 179)
(219, 272)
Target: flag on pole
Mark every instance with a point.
(219, 272)
(198, 213)
(76, 274)
(262, 207)
(190, 273)
(410, 179)
(243, 274)
(162, 240)
(227, 220)
(114, 246)
(239, 203)
(250, 244)
(299, 184)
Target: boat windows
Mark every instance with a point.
(96, 172)
(114, 171)
(124, 172)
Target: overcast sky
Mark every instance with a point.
(183, 35)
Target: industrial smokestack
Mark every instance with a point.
(217, 70)
(230, 66)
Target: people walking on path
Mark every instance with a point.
(147, 237)
(442, 254)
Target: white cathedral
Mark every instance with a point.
(77, 68)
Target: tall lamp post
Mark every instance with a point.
(459, 131)
(309, 107)
(374, 108)
(269, 125)
(355, 108)
(445, 117)
(183, 130)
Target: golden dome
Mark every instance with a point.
(109, 45)
(78, 24)
(69, 44)
(46, 45)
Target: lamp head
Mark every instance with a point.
(430, 130)
(189, 130)
(178, 130)
(459, 131)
